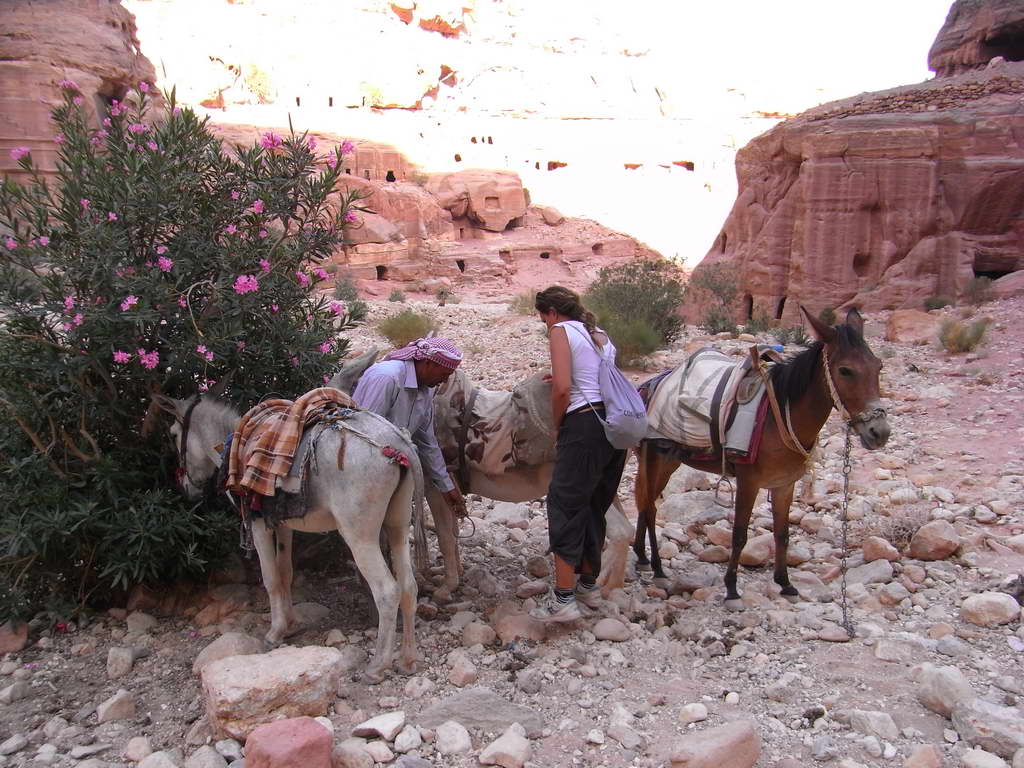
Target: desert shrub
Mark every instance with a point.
(646, 290)
(633, 337)
(937, 302)
(408, 325)
(898, 528)
(978, 290)
(151, 261)
(716, 287)
(397, 295)
(759, 322)
(523, 304)
(827, 316)
(795, 334)
(957, 337)
(443, 295)
(345, 290)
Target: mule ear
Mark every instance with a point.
(820, 331)
(855, 321)
(174, 407)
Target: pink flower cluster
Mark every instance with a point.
(121, 356)
(351, 217)
(111, 216)
(303, 278)
(70, 85)
(246, 284)
(321, 273)
(264, 266)
(203, 352)
(257, 206)
(327, 346)
(149, 360)
(271, 140)
(128, 302)
(165, 264)
(138, 128)
(337, 308)
(347, 147)
(231, 229)
(19, 152)
(10, 243)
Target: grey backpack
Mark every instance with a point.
(625, 421)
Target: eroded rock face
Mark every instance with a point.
(489, 199)
(975, 32)
(882, 200)
(91, 44)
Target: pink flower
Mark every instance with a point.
(111, 216)
(69, 303)
(257, 207)
(271, 140)
(321, 273)
(143, 86)
(78, 319)
(203, 387)
(106, 122)
(240, 346)
(246, 284)
(19, 152)
(274, 308)
(102, 133)
(70, 85)
(152, 145)
(231, 229)
(337, 308)
(149, 360)
(161, 249)
(327, 346)
(202, 351)
(265, 266)
(128, 302)
(263, 233)
(235, 195)
(95, 141)
(85, 203)
(137, 128)
(121, 357)
(59, 138)
(351, 217)
(311, 143)
(347, 147)
(165, 264)
(176, 110)
(303, 278)
(331, 160)
(182, 301)
(44, 241)
(10, 243)
(326, 379)
(67, 326)
(77, 101)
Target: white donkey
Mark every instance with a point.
(512, 483)
(371, 492)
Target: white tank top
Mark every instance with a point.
(585, 362)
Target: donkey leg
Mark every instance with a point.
(746, 495)
(613, 563)
(370, 561)
(280, 601)
(781, 500)
(653, 475)
(401, 562)
(285, 572)
(447, 542)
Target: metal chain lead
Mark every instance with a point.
(848, 624)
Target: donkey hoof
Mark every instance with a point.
(735, 604)
(790, 593)
(405, 668)
(373, 676)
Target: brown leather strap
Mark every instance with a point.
(789, 439)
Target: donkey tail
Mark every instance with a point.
(420, 548)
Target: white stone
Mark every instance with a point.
(386, 726)
(693, 713)
(510, 750)
(451, 738)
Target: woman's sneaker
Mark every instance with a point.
(554, 610)
(589, 596)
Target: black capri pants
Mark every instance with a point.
(584, 482)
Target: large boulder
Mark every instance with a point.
(911, 326)
(989, 609)
(936, 540)
(243, 692)
(489, 199)
(976, 32)
(733, 745)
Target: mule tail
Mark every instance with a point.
(420, 548)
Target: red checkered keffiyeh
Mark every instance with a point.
(437, 350)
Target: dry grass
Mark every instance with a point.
(957, 337)
(408, 325)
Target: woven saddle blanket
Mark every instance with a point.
(264, 443)
(497, 430)
(709, 402)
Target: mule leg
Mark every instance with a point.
(447, 541)
(401, 561)
(370, 561)
(280, 610)
(746, 495)
(781, 500)
(285, 574)
(613, 563)
(653, 475)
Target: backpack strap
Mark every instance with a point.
(600, 359)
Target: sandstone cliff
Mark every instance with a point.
(885, 199)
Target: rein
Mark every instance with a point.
(186, 424)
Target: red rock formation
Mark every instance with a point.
(882, 200)
(975, 32)
(91, 42)
(484, 199)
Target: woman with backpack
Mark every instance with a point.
(588, 467)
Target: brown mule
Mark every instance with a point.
(837, 370)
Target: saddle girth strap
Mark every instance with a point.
(467, 414)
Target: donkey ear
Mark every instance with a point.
(855, 321)
(820, 331)
(174, 407)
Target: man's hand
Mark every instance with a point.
(457, 503)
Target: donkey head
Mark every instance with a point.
(347, 378)
(198, 456)
(853, 370)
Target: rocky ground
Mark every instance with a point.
(934, 676)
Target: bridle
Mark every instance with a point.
(186, 424)
(860, 418)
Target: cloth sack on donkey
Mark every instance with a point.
(625, 418)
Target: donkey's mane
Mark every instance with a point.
(793, 376)
(218, 411)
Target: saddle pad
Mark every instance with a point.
(680, 409)
(267, 436)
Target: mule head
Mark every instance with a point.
(853, 370)
(199, 458)
(350, 373)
